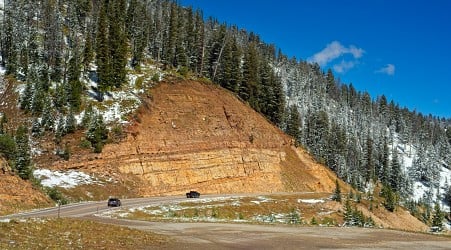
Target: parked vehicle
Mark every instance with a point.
(193, 194)
(114, 202)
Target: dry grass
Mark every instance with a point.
(74, 234)
(285, 209)
(297, 208)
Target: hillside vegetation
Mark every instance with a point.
(68, 63)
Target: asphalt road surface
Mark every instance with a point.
(248, 236)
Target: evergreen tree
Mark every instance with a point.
(200, 43)
(216, 48)
(277, 107)
(249, 85)
(36, 129)
(74, 87)
(97, 134)
(71, 123)
(60, 97)
(337, 192)
(60, 132)
(395, 174)
(181, 57)
(7, 147)
(317, 133)
(390, 198)
(9, 53)
(448, 134)
(348, 215)
(384, 175)
(26, 97)
(103, 61)
(172, 40)
(224, 73)
(53, 41)
(136, 30)
(48, 118)
(437, 217)
(448, 198)
(117, 42)
(294, 123)
(88, 117)
(3, 122)
(39, 97)
(232, 66)
(88, 52)
(264, 97)
(23, 157)
(189, 33)
(336, 147)
(369, 162)
(331, 88)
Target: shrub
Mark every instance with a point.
(56, 195)
(85, 144)
(7, 146)
(117, 133)
(183, 71)
(139, 83)
(156, 77)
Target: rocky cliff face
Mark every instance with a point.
(191, 135)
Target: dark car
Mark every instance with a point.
(114, 202)
(193, 194)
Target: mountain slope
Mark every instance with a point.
(192, 135)
(17, 194)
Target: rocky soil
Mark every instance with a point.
(16, 194)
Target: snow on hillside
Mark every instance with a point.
(406, 153)
(69, 179)
(119, 103)
(420, 189)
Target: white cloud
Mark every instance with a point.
(343, 66)
(388, 69)
(333, 51)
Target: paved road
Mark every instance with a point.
(84, 209)
(246, 236)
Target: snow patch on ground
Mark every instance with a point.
(208, 200)
(68, 179)
(261, 200)
(327, 212)
(447, 226)
(311, 201)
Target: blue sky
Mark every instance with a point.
(398, 48)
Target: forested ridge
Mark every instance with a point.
(54, 46)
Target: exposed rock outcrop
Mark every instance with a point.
(192, 135)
